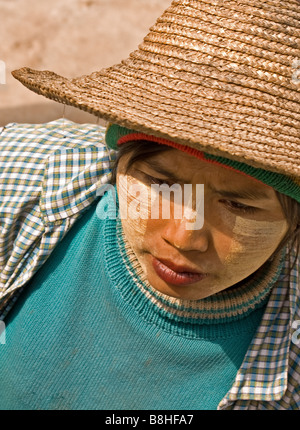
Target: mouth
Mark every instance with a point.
(175, 274)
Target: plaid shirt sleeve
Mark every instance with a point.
(49, 175)
(269, 378)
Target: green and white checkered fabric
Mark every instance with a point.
(49, 176)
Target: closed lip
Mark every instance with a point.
(178, 268)
(176, 274)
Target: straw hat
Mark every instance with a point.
(220, 76)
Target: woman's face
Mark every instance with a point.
(243, 224)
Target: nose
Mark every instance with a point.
(178, 234)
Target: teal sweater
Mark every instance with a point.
(88, 333)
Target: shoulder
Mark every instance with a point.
(43, 163)
(49, 174)
(34, 156)
(47, 137)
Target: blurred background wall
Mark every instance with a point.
(69, 37)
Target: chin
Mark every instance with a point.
(184, 292)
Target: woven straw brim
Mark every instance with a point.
(219, 78)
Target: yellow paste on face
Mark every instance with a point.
(253, 242)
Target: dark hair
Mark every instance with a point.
(138, 150)
(142, 149)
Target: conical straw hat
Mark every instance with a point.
(219, 76)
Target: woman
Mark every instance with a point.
(262, 219)
(133, 309)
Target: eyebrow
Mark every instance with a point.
(244, 194)
(159, 168)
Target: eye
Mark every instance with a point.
(154, 180)
(239, 207)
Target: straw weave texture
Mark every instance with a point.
(215, 75)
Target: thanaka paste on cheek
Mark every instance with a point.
(134, 213)
(133, 202)
(253, 243)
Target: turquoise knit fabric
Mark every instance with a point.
(81, 338)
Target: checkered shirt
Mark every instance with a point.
(49, 175)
